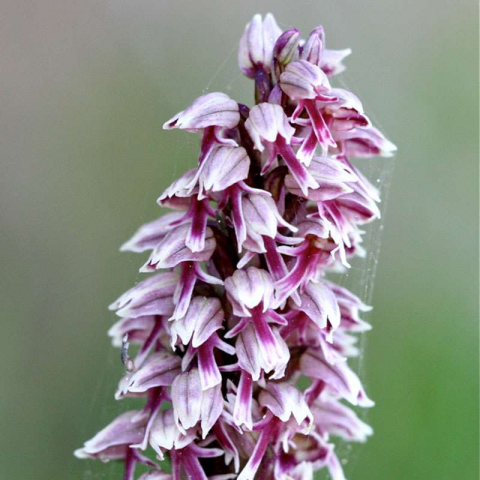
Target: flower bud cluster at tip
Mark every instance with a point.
(238, 307)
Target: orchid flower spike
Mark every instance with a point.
(238, 305)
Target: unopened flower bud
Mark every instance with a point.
(256, 45)
(313, 49)
(285, 50)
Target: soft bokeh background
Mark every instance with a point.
(85, 88)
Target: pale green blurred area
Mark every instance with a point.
(85, 88)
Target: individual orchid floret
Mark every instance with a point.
(285, 401)
(173, 251)
(165, 435)
(307, 84)
(333, 177)
(302, 80)
(248, 289)
(339, 378)
(203, 318)
(257, 354)
(319, 303)
(268, 127)
(211, 114)
(238, 309)
(225, 166)
(258, 218)
(191, 404)
(159, 370)
(314, 51)
(334, 418)
(115, 442)
(153, 296)
(364, 142)
(210, 110)
(255, 53)
(345, 113)
(251, 294)
(148, 236)
(321, 244)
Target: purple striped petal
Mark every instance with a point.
(347, 112)
(320, 304)
(172, 250)
(224, 167)
(248, 352)
(338, 377)
(284, 401)
(152, 296)
(187, 399)
(335, 467)
(262, 216)
(285, 50)
(212, 109)
(249, 288)
(212, 407)
(181, 188)
(302, 80)
(242, 412)
(256, 45)
(209, 319)
(210, 375)
(297, 169)
(312, 51)
(159, 370)
(364, 142)
(111, 442)
(204, 317)
(165, 435)
(266, 122)
(336, 419)
(151, 234)
(333, 177)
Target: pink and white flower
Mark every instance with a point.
(238, 305)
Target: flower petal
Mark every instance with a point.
(212, 109)
(212, 407)
(224, 167)
(172, 250)
(152, 296)
(187, 399)
(148, 236)
(338, 377)
(248, 288)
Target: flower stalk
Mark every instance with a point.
(238, 308)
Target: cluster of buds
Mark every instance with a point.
(238, 313)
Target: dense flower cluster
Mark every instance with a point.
(238, 308)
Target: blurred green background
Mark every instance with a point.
(85, 88)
